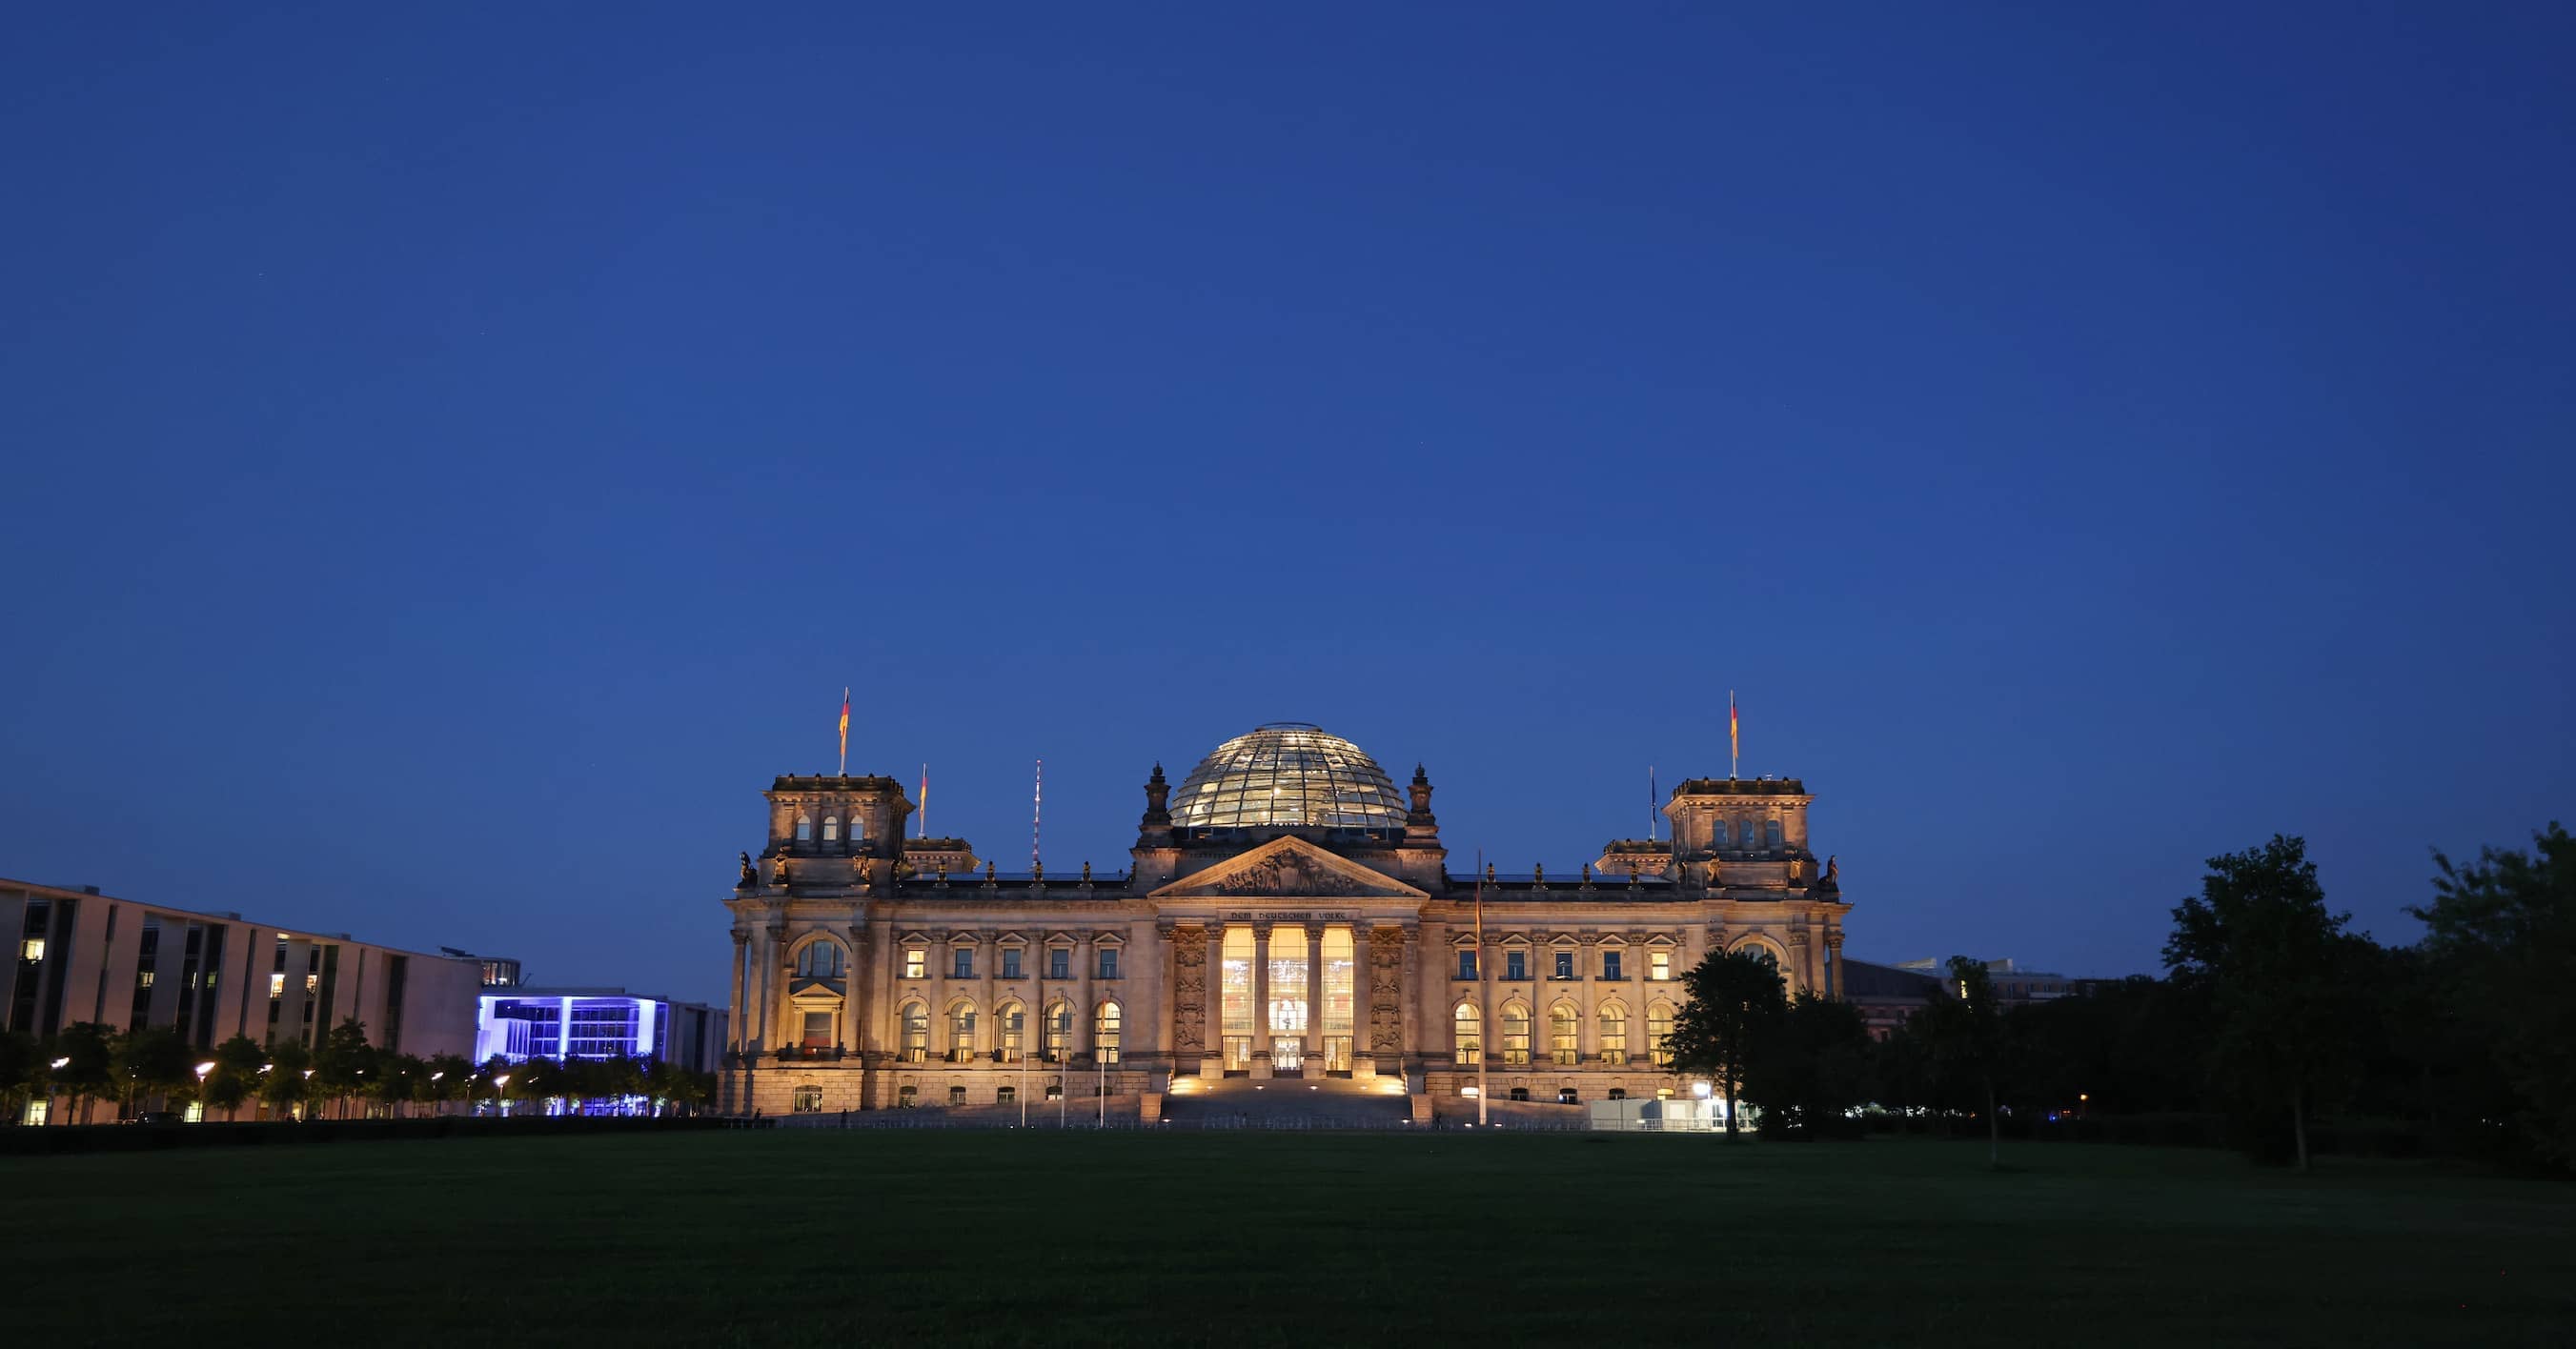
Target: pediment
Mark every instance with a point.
(1288, 868)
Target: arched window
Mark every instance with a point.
(819, 960)
(1516, 1034)
(1470, 1034)
(1659, 1033)
(1614, 1033)
(1007, 1026)
(1763, 953)
(804, 828)
(1564, 1028)
(916, 1033)
(1719, 835)
(1771, 835)
(1059, 1032)
(831, 829)
(961, 1033)
(1104, 1041)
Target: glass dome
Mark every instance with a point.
(1288, 773)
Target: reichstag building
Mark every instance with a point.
(1290, 923)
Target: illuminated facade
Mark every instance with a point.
(597, 1023)
(1289, 913)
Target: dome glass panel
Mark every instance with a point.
(1288, 773)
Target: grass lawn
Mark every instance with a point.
(1004, 1238)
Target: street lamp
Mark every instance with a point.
(202, 1069)
(59, 1065)
(500, 1102)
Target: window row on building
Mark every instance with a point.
(1611, 1043)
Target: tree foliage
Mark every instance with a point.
(2500, 950)
(1735, 998)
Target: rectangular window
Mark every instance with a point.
(1516, 964)
(1011, 963)
(1059, 963)
(1660, 965)
(1610, 965)
(965, 966)
(818, 1030)
(1565, 964)
(1466, 964)
(915, 963)
(32, 948)
(1771, 835)
(1719, 835)
(1109, 962)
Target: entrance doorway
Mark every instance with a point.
(1287, 1055)
(1238, 1053)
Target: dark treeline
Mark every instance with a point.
(151, 1068)
(2274, 1022)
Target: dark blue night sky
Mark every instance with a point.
(453, 463)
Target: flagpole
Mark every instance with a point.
(1734, 737)
(845, 730)
(924, 802)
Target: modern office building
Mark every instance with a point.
(1289, 912)
(598, 1023)
(80, 956)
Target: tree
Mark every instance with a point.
(395, 1081)
(88, 1066)
(236, 1076)
(342, 1064)
(148, 1061)
(450, 1078)
(1734, 998)
(1811, 1069)
(2282, 978)
(21, 1073)
(1964, 1029)
(286, 1081)
(2502, 932)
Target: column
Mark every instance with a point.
(1408, 1016)
(733, 1008)
(1315, 998)
(1833, 964)
(1086, 958)
(1261, 998)
(856, 983)
(767, 955)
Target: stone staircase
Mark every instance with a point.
(1286, 1103)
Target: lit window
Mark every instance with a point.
(1059, 963)
(1011, 962)
(1109, 962)
(1564, 1028)
(807, 1101)
(1466, 964)
(804, 828)
(143, 979)
(963, 959)
(961, 1032)
(1614, 1034)
(916, 1034)
(1610, 965)
(1565, 964)
(1059, 1032)
(1009, 1020)
(1105, 1034)
(1516, 1034)
(312, 982)
(277, 985)
(1659, 965)
(1470, 1034)
(915, 963)
(1516, 964)
(1659, 1034)
(831, 829)
(32, 948)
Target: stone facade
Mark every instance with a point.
(1324, 937)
